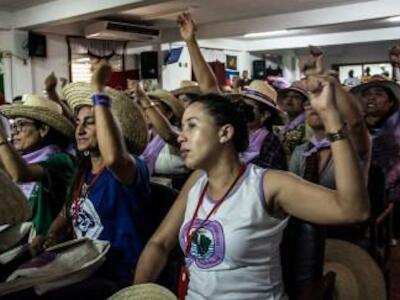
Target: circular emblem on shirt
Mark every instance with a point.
(207, 248)
(87, 222)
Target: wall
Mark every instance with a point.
(56, 61)
(26, 75)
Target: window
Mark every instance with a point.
(83, 52)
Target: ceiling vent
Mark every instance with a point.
(120, 31)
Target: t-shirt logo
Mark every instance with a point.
(208, 243)
(88, 222)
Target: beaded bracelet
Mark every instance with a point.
(101, 99)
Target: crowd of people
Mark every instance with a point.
(246, 164)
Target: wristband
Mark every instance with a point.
(338, 135)
(101, 99)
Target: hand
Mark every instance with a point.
(187, 27)
(394, 55)
(50, 83)
(321, 89)
(101, 73)
(312, 64)
(36, 246)
(63, 81)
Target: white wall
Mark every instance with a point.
(27, 76)
(56, 61)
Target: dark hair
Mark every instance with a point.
(273, 118)
(226, 111)
(53, 137)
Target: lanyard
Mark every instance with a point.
(189, 236)
(83, 190)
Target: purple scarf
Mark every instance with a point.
(35, 157)
(256, 139)
(317, 145)
(294, 123)
(152, 151)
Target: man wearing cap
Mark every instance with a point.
(293, 133)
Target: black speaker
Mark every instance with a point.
(149, 65)
(37, 45)
(258, 69)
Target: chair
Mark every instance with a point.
(162, 198)
(302, 254)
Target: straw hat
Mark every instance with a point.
(294, 88)
(262, 92)
(170, 100)
(14, 207)
(187, 87)
(147, 291)
(41, 109)
(357, 275)
(129, 115)
(378, 81)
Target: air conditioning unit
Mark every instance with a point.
(120, 31)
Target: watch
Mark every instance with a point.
(338, 135)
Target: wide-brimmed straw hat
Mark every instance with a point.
(293, 88)
(357, 274)
(170, 100)
(40, 109)
(146, 291)
(14, 206)
(187, 87)
(262, 92)
(378, 81)
(128, 114)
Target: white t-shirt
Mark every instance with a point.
(236, 254)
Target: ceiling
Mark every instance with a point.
(14, 5)
(163, 15)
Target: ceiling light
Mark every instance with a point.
(394, 19)
(266, 33)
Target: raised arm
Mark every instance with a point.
(159, 122)
(349, 202)
(155, 254)
(111, 143)
(50, 85)
(351, 110)
(347, 104)
(202, 70)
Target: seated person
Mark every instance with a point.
(292, 100)
(35, 157)
(110, 192)
(163, 112)
(265, 148)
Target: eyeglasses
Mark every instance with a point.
(21, 125)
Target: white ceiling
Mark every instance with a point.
(210, 11)
(14, 5)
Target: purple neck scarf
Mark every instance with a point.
(152, 151)
(317, 145)
(256, 139)
(294, 123)
(35, 157)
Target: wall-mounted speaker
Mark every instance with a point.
(259, 69)
(37, 45)
(149, 65)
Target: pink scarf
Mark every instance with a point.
(35, 157)
(256, 139)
